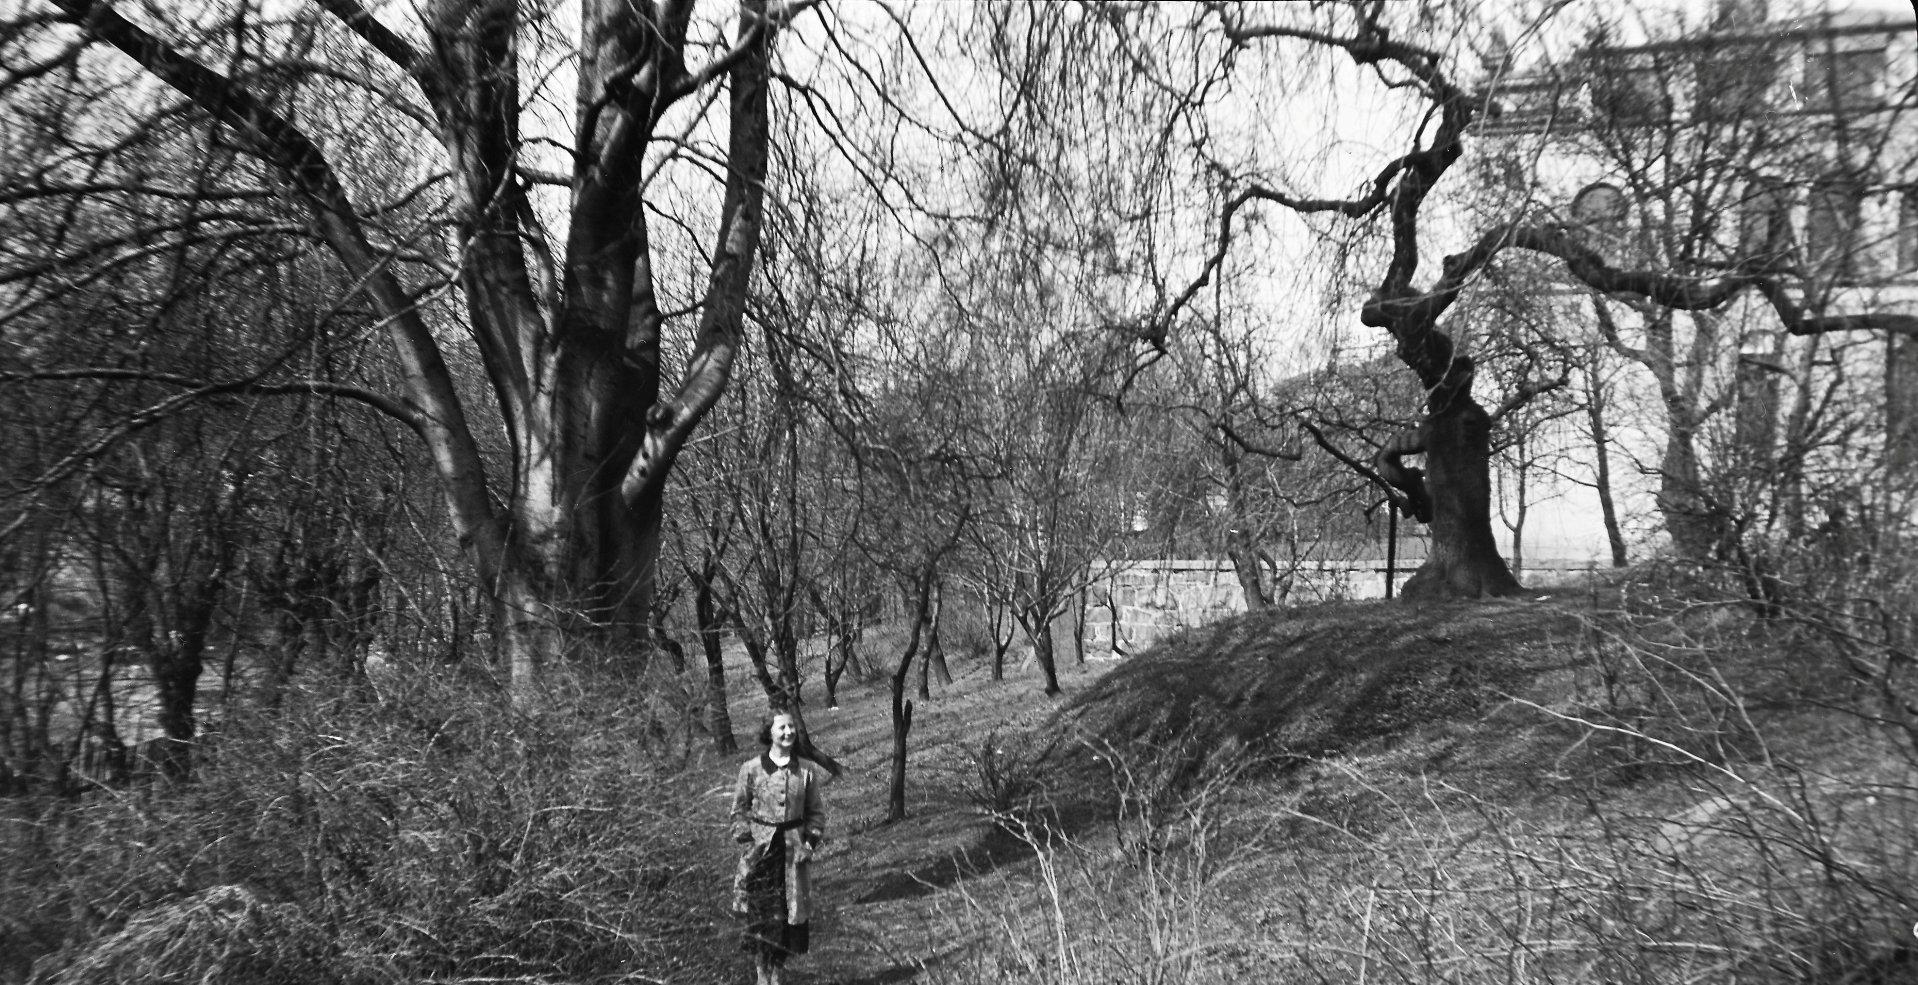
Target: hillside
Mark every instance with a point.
(1578, 789)
(1614, 784)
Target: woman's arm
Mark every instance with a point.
(815, 807)
(742, 803)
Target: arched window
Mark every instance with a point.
(1600, 206)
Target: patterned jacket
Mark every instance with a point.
(771, 800)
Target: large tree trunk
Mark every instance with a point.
(1689, 519)
(1464, 561)
(1240, 546)
(527, 628)
(567, 537)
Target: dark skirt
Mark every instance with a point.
(767, 932)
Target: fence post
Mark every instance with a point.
(1391, 545)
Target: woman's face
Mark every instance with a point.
(784, 732)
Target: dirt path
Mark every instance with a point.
(884, 890)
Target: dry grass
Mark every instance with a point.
(1606, 787)
(1647, 791)
(423, 832)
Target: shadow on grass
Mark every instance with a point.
(998, 847)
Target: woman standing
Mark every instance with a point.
(779, 813)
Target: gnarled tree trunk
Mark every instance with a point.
(1464, 561)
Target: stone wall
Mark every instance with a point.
(1137, 602)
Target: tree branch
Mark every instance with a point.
(361, 21)
(400, 410)
(1608, 327)
(1363, 470)
(1257, 448)
(306, 170)
(773, 17)
(1527, 391)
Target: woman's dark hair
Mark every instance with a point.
(766, 725)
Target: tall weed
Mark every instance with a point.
(417, 829)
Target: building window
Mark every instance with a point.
(1764, 225)
(1629, 90)
(1601, 207)
(1837, 81)
(1733, 82)
(1831, 230)
(1527, 106)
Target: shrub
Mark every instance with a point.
(423, 829)
(1007, 772)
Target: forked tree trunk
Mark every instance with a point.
(1039, 630)
(934, 664)
(568, 540)
(1249, 570)
(1003, 627)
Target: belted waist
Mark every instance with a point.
(777, 826)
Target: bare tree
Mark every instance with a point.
(568, 318)
(1452, 491)
(1728, 165)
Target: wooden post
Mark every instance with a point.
(1391, 545)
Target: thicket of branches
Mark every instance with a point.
(557, 353)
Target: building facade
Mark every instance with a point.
(1745, 145)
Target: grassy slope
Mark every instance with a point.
(1606, 786)
(1358, 742)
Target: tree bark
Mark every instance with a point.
(568, 541)
(719, 720)
(1464, 561)
(934, 664)
(1521, 506)
(1602, 467)
(901, 707)
(1681, 497)
(1240, 546)
(998, 619)
(1249, 569)
(1039, 630)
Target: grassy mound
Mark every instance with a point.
(1289, 685)
(1650, 784)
